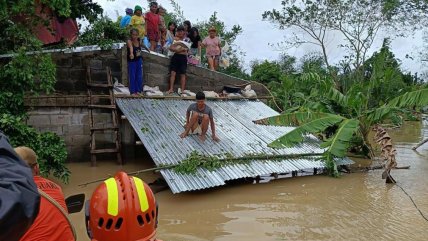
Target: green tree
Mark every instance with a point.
(28, 73)
(102, 32)
(355, 119)
(266, 72)
(358, 22)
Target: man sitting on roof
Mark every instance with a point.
(198, 116)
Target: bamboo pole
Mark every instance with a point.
(251, 157)
(420, 144)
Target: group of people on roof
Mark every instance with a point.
(182, 43)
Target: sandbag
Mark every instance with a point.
(211, 94)
(247, 92)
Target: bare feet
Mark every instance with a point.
(169, 92)
(216, 139)
(183, 135)
(202, 138)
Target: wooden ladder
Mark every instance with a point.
(96, 94)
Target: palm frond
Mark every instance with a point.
(339, 143)
(417, 98)
(315, 126)
(292, 119)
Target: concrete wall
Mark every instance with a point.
(71, 68)
(68, 116)
(156, 72)
(66, 112)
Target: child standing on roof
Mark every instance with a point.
(138, 22)
(180, 47)
(135, 63)
(152, 25)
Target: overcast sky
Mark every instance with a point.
(258, 34)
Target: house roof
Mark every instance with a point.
(158, 124)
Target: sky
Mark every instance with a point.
(258, 36)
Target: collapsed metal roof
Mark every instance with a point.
(158, 123)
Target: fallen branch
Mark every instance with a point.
(420, 144)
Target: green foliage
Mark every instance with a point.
(417, 98)
(24, 74)
(28, 73)
(293, 119)
(266, 72)
(338, 144)
(85, 9)
(177, 15)
(196, 160)
(104, 33)
(50, 148)
(313, 97)
(358, 22)
(296, 135)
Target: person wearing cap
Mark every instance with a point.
(19, 198)
(122, 208)
(213, 48)
(198, 117)
(52, 222)
(180, 47)
(152, 25)
(138, 22)
(127, 18)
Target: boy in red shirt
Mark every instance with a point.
(50, 224)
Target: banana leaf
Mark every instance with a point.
(315, 126)
(292, 119)
(339, 143)
(411, 99)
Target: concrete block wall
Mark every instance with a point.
(71, 68)
(156, 72)
(68, 117)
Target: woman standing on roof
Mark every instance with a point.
(138, 22)
(212, 44)
(152, 25)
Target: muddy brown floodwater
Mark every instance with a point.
(358, 206)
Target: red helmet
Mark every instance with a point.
(122, 208)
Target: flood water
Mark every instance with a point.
(358, 206)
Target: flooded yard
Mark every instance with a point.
(358, 206)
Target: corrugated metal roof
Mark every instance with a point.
(158, 123)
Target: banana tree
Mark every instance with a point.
(357, 121)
